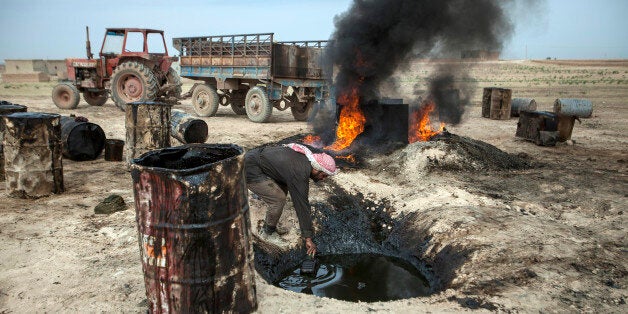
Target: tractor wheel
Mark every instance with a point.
(237, 102)
(301, 111)
(258, 107)
(131, 81)
(66, 96)
(205, 100)
(95, 98)
(173, 78)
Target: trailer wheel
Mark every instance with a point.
(66, 96)
(258, 107)
(205, 100)
(132, 81)
(95, 98)
(302, 111)
(237, 101)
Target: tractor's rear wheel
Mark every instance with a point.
(173, 78)
(132, 81)
(66, 96)
(95, 98)
(205, 100)
(258, 107)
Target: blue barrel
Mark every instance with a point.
(581, 108)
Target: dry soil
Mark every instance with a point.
(551, 238)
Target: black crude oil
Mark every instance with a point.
(358, 277)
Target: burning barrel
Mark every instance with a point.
(521, 104)
(496, 103)
(186, 128)
(194, 229)
(147, 127)
(82, 140)
(32, 151)
(5, 109)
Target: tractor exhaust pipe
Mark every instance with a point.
(88, 46)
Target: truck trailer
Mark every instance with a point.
(254, 74)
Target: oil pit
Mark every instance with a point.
(358, 277)
(364, 255)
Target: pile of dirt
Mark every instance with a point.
(448, 152)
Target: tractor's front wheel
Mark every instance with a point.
(66, 96)
(132, 81)
(95, 98)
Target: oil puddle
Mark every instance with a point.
(358, 277)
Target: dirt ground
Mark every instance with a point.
(551, 238)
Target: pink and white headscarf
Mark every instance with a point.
(321, 162)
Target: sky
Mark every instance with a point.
(55, 29)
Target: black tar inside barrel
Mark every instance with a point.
(187, 156)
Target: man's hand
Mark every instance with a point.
(310, 246)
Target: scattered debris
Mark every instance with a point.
(113, 203)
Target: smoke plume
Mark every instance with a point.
(374, 38)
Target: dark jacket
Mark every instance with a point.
(287, 168)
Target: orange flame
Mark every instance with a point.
(313, 140)
(420, 125)
(351, 121)
(348, 158)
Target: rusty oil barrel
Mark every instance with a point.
(147, 127)
(82, 140)
(521, 104)
(114, 149)
(496, 103)
(32, 153)
(581, 108)
(186, 128)
(5, 109)
(194, 229)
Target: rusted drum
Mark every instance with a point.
(32, 154)
(6, 108)
(186, 128)
(194, 229)
(565, 127)
(581, 108)
(114, 149)
(147, 127)
(521, 104)
(82, 140)
(496, 103)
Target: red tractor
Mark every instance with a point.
(134, 66)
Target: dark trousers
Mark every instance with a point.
(274, 195)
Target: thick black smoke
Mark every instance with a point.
(374, 38)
